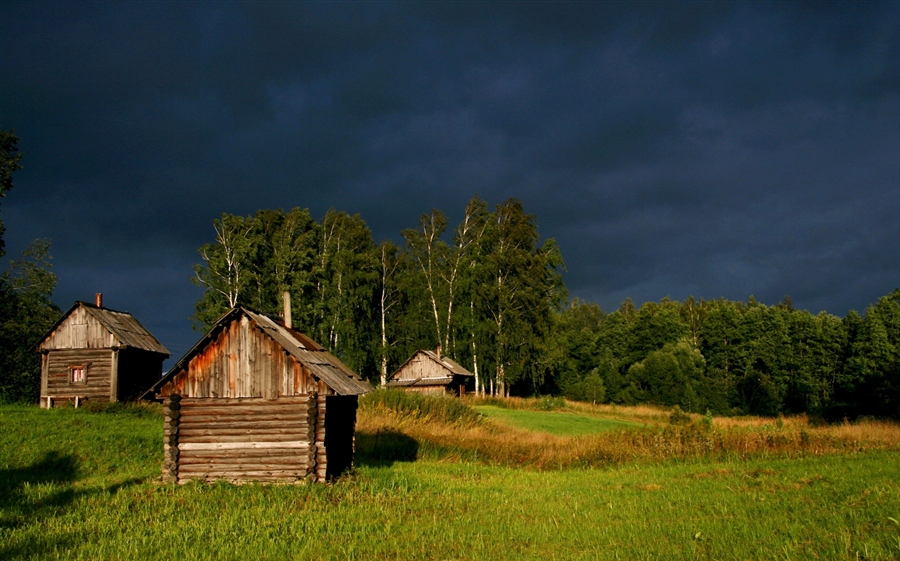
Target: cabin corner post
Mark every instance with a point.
(321, 453)
(45, 372)
(114, 376)
(312, 412)
(172, 417)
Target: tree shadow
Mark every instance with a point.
(23, 502)
(384, 447)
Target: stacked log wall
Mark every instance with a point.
(249, 439)
(98, 376)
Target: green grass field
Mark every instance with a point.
(85, 485)
(553, 422)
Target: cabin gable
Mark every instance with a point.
(240, 361)
(79, 330)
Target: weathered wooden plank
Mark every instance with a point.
(289, 437)
(244, 464)
(274, 457)
(284, 477)
(217, 430)
(294, 444)
(245, 453)
(282, 414)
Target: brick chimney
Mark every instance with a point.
(98, 299)
(438, 351)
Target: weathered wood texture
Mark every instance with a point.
(421, 366)
(97, 363)
(80, 330)
(240, 439)
(242, 362)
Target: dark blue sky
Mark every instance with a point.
(705, 149)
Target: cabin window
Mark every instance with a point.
(78, 374)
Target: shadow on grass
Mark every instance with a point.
(384, 447)
(24, 501)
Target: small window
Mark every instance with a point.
(78, 374)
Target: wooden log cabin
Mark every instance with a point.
(96, 354)
(430, 372)
(255, 400)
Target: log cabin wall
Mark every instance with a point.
(98, 365)
(250, 439)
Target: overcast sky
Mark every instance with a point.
(705, 149)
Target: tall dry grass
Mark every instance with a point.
(658, 441)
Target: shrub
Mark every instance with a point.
(679, 417)
(550, 403)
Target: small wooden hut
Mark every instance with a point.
(255, 400)
(430, 372)
(97, 354)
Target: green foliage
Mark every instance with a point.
(679, 417)
(26, 313)
(590, 389)
(550, 403)
(486, 296)
(443, 409)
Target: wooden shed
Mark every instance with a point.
(430, 372)
(255, 400)
(96, 354)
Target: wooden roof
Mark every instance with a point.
(124, 328)
(319, 361)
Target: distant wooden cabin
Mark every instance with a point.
(430, 372)
(96, 354)
(255, 400)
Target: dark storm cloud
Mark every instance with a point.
(671, 149)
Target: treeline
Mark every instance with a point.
(486, 290)
(491, 294)
(732, 357)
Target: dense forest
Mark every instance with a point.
(490, 292)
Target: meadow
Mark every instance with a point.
(439, 480)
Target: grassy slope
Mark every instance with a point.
(559, 423)
(80, 485)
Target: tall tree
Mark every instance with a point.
(521, 286)
(347, 274)
(392, 266)
(225, 271)
(428, 251)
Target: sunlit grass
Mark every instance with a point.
(553, 422)
(83, 485)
